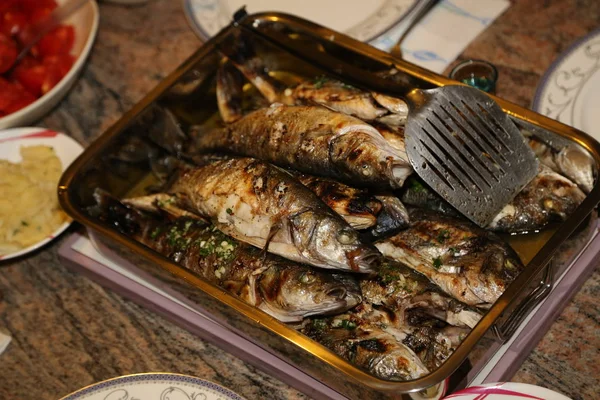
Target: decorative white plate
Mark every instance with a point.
(506, 391)
(67, 150)
(570, 90)
(363, 20)
(154, 386)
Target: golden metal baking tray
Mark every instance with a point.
(291, 44)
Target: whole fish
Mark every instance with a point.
(323, 91)
(549, 197)
(312, 140)
(286, 290)
(259, 204)
(470, 264)
(401, 289)
(373, 338)
(366, 344)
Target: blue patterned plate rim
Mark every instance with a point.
(573, 47)
(149, 377)
(203, 34)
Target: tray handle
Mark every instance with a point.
(505, 329)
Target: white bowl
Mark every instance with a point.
(85, 21)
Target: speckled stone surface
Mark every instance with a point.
(69, 332)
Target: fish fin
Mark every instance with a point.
(276, 227)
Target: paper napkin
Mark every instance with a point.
(444, 32)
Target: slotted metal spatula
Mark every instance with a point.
(467, 149)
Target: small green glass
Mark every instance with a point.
(477, 73)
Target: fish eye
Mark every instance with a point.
(346, 236)
(366, 170)
(306, 277)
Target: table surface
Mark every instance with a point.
(68, 332)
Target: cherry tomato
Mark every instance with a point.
(12, 22)
(13, 97)
(62, 63)
(58, 41)
(6, 5)
(8, 53)
(37, 79)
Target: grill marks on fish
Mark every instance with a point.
(386, 345)
(571, 161)
(401, 289)
(549, 197)
(313, 140)
(229, 92)
(472, 265)
(286, 290)
(262, 205)
(365, 343)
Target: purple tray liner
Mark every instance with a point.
(248, 351)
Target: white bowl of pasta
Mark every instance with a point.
(31, 163)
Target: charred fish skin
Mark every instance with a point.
(402, 289)
(470, 264)
(262, 205)
(379, 215)
(286, 290)
(549, 197)
(229, 90)
(366, 345)
(313, 140)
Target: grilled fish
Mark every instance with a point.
(312, 140)
(470, 264)
(262, 205)
(401, 289)
(392, 348)
(366, 344)
(570, 161)
(286, 290)
(549, 197)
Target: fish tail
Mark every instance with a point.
(111, 210)
(243, 56)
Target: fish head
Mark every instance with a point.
(328, 240)
(295, 292)
(368, 155)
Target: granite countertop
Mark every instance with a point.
(69, 332)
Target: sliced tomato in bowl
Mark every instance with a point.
(13, 96)
(8, 53)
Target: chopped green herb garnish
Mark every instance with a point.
(416, 185)
(443, 235)
(320, 81)
(229, 211)
(437, 263)
(453, 250)
(319, 324)
(154, 234)
(346, 324)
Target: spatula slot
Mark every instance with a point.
(454, 151)
(466, 143)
